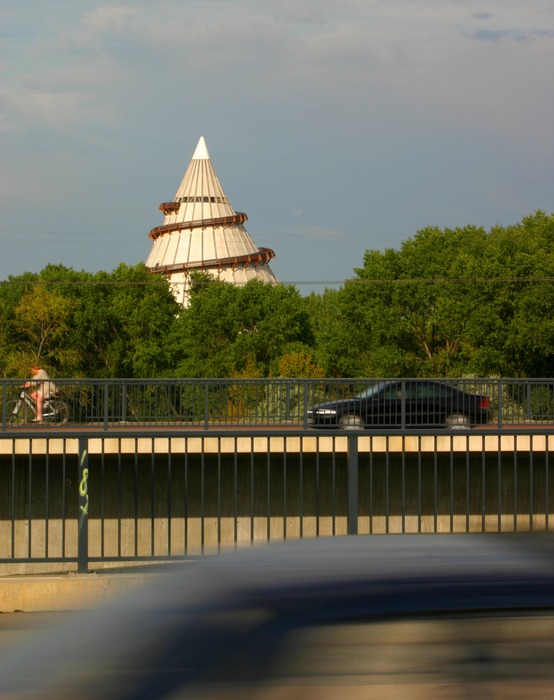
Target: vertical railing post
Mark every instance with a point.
(82, 541)
(106, 404)
(500, 404)
(206, 405)
(4, 402)
(305, 416)
(124, 402)
(352, 519)
(403, 405)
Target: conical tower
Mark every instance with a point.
(202, 231)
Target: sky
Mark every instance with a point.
(338, 126)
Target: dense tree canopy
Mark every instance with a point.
(451, 302)
(81, 324)
(228, 329)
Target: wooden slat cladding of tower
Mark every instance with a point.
(202, 231)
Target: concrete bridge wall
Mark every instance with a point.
(183, 496)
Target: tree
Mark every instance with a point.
(331, 334)
(448, 303)
(227, 329)
(42, 318)
(452, 302)
(81, 324)
(525, 303)
(299, 364)
(12, 360)
(123, 323)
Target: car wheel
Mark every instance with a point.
(351, 422)
(457, 421)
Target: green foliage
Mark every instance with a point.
(82, 324)
(230, 330)
(299, 364)
(12, 360)
(452, 302)
(43, 318)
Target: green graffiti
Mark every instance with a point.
(83, 492)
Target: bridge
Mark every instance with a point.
(155, 471)
(76, 500)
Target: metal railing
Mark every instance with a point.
(86, 499)
(213, 403)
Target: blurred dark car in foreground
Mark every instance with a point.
(388, 616)
(407, 403)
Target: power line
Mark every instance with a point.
(437, 281)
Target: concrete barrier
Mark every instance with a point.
(65, 592)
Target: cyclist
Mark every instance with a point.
(42, 388)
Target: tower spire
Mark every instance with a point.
(202, 231)
(201, 152)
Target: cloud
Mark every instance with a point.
(496, 35)
(57, 97)
(114, 19)
(56, 108)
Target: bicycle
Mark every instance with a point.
(24, 410)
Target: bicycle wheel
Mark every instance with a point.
(17, 412)
(56, 412)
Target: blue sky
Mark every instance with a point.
(337, 125)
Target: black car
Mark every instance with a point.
(378, 616)
(403, 403)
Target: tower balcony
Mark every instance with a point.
(169, 207)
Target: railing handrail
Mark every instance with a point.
(149, 433)
(269, 380)
(274, 401)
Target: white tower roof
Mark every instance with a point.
(202, 231)
(201, 152)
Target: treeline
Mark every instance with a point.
(447, 303)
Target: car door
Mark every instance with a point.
(415, 403)
(432, 402)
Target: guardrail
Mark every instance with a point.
(86, 498)
(212, 403)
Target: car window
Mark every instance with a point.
(426, 391)
(432, 391)
(410, 391)
(375, 389)
(392, 392)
